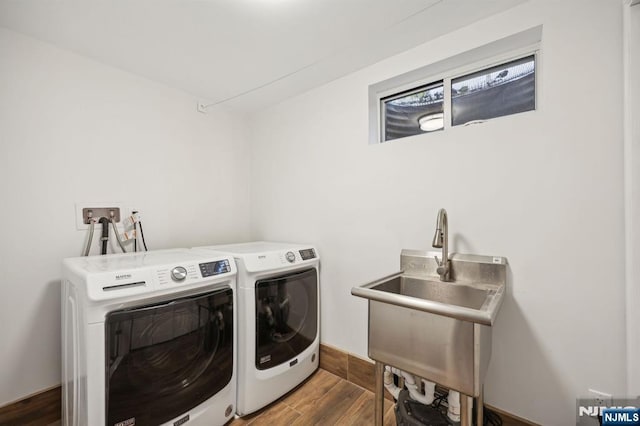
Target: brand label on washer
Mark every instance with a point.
(181, 421)
(265, 358)
(128, 422)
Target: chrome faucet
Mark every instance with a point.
(440, 240)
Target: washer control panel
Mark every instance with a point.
(190, 273)
(179, 274)
(290, 256)
(160, 271)
(214, 268)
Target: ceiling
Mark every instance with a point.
(243, 54)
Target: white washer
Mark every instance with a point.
(149, 339)
(279, 319)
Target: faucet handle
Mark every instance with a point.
(437, 261)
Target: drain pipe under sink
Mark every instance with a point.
(453, 401)
(411, 382)
(388, 383)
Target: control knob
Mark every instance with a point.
(178, 273)
(290, 257)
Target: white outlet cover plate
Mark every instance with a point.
(80, 225)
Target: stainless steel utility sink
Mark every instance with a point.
(437, 330)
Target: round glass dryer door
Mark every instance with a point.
(286, 317)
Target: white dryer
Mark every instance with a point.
(149, 339)
(278, 316)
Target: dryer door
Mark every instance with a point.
(164, 359)
(286, 317)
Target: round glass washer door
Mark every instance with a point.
(164, 359)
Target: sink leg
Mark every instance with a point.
(379, 394)
(480, 408)
(466, 403)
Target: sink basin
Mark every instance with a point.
(440, 331)
(450, 294)
(474, 302)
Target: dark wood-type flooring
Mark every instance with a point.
(326, 399)
(323, 399)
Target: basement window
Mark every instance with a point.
(415, 111)
(506, 89)
(490, 81)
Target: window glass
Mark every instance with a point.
(413, 112)
(494, 92)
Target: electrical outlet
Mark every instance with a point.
(601, 399)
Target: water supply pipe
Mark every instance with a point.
(92, 226)
(115, 232)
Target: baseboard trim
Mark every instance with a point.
(41, 408)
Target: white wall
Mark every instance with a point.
(74, 130)
(543, 188)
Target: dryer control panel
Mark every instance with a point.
(307, 254)
(294, 256)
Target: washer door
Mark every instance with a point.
(286, 317)
(164, 359)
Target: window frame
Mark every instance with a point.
(498, 52)
(445, 80)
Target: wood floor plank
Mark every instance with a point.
(362, 412)
(332, 405)
(306, 396)
(278, 414)
(390, 414)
